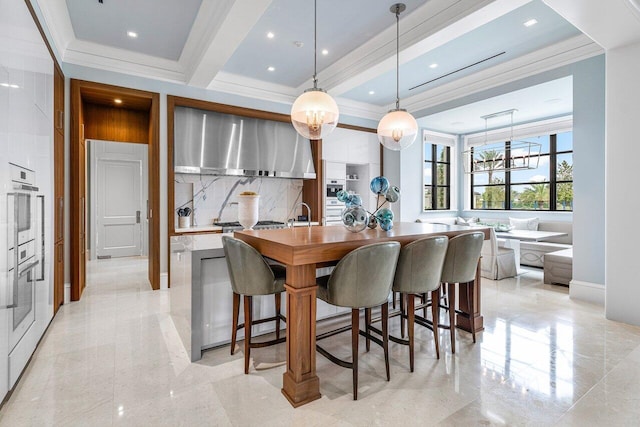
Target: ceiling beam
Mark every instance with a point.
(565, 52)
(218, 30)
(430, 26)
(611, 23)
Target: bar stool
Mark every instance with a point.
(251, 276)
(418, 273)
(362, 279)
(460, 266)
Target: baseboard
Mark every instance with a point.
(164, 281)
(586, 291)
(67, 293)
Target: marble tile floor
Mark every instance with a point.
(115, 358)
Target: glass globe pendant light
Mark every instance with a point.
(314, 114)
(397, 129)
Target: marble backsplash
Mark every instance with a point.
(212, 197)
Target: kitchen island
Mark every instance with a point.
(201, 296)
(302, 250)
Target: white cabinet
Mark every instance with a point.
(351, 146)
(335, 171)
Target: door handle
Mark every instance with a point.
(137, 217)
(28, 268)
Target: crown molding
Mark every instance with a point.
(563, 53)
(58, 22)
(252, 88)
(93, 55)
(235, 84)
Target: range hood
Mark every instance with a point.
(208, 142)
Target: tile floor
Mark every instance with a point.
(114, 358)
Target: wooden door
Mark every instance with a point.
(58, 187)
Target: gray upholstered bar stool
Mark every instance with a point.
(460, 266)
(251, 276)
(418, 272)
(362, 279)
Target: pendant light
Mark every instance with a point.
(397, 129)
(314, 114)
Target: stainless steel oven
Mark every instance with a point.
(333, 186)
(26, 251)
(332, 206)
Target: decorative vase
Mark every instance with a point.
(248, 211)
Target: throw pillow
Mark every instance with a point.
(466, 221)
(524, 223)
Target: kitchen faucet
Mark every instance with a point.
(308, 212)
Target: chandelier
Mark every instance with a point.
(501, 156)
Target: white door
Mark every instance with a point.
(119, 206)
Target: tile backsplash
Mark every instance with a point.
(213, 197)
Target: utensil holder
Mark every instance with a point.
(184, 221)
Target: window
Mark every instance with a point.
(549, 187)
(437, 177)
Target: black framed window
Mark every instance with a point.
(549, 187)
(437, 177)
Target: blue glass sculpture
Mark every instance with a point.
(355, 218)
(353, 200)
(393, 194)
(379, 185)
(386, 224)
(385, 214)
(342, 196)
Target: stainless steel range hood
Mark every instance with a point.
(207, 142)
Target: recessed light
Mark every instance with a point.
(270, 35)
(298, 43)
(372, 92)
(12, 86)
(457, 123)
(530, 22)
(4, 84)
(434, 65)
(132, 34)
(553, 100)
(325, 52)
(118, 101)
(271, 68)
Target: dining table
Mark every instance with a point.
(302, 250)
(514, 237)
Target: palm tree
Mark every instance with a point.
(535, 194)
(491, 160)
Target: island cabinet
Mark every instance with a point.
(201, 295)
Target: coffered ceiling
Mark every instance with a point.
(224, 45)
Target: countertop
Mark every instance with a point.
(199, 229)
(214, 228)
(193, 241)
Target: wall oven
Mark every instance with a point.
(26, 251)
(332, 206)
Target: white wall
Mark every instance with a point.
(622, 201)
(589, 192)
(589, 174)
